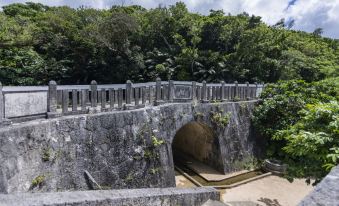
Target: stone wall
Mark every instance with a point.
(140, 197)
(120, 149)
(326, 192)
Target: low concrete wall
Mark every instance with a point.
(326, 193)
(140, 197)
(120, 149)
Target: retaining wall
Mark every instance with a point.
(120, 149)
(140, 197)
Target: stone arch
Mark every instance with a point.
(198, 141)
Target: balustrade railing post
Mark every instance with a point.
(128, 92)
(213, 93)
(236, 91)
(222, 92)
(65, 99)
(170, 90)
(103, 99)
(120, 97)
(111, 98)
(247, 92)
(94, 94)
(150, 95)
(204, 92)
(256, 90)
(194, 91)
(74, 100)
(3, 120)
(143, 96)
(158, 100)
(136, 99)
(84, 93)
(199, 93)
(52, 100)
(2, 106)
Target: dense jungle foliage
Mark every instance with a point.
(73, 46)
(301, 123)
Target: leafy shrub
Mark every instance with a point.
(282, 102)
(219, 119)
(290, 116)
(312, 143)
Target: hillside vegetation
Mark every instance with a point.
(73, 46)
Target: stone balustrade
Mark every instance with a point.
(19, 104)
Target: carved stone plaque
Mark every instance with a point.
(25, 104)
(182, 92)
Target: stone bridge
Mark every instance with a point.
(122, 135)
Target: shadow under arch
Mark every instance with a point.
(198, 141)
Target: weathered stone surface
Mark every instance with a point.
(120, 149)
(326, 192)
(182, 92)
(140, 197)
(23, 104)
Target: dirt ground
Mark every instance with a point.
(269, 191)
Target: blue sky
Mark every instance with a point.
(307, 14)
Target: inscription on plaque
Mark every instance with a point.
(182, 92)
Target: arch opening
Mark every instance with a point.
(196, 143)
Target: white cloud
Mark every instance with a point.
(308, 14)
(312, 14)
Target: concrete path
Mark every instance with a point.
(269, 191)
(206, 172)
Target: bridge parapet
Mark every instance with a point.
(19, 103)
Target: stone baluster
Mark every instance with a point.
(170, 90)
(150, 95)
(103, 99)
(213, 93)
(120, 97)
(59, 97)
(222, 92)
(74, 100)
(204, 92)
(158, 100)
(136, 93)
(247, 91)
(143, 95)
(194, 91)
(209, 89)
(94, 94)
(84, 94)
(128, 92)
(65, 98)
(164, 93)
(51, 100)
(256, 90)
(236, 90)
(111, 98)
(2, 106)
(115, 96)
(199, 93)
